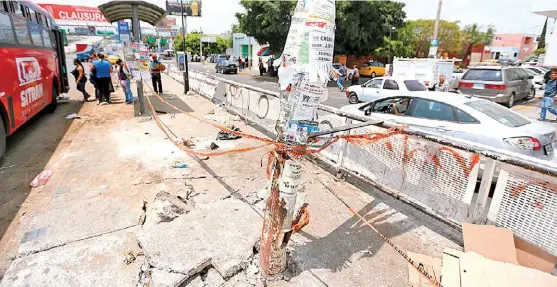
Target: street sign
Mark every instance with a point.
(209, 39)
(124, 31)
(432, 52)
(434, 42)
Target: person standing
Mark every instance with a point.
(241, 63)
(355, 76)
(80, 78)
(341, 76)
(246, 63)
(103, 68)
(549, 95)
(124, 76)
(92, 74)
(156, 74)
(261, 67)
(442, 86)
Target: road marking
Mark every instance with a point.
(521, 108)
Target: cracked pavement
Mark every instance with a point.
(116, 213)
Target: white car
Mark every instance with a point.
(464, 117)
(382, 87)
(537, 73)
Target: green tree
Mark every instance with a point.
(541, 39)
(419, 34)
(362, 25)
(392, 48)
(539, 51)
(473, 35)
(193, 41)
(267, 21)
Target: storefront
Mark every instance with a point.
(244, 46)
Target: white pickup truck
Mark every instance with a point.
(427, 70)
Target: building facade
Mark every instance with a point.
(511, 46)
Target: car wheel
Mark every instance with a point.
(531, 94)
(2, 140)
(52, 106)
(510, 102)
(373, 75)
(353, 98)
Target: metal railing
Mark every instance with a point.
(450, 179)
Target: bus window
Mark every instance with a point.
(19, 10)
(21, 30)
(36, 34)
(63, 33)
(46, 38)
(37, 18)
(5, 6)
(6, 31)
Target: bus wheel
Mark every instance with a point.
(2, 140)
(52, 106)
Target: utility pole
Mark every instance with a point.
(186, 72)
(300, 95)
(435, 41)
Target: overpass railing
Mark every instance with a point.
(453, 180)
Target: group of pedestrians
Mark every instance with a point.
(100, 77)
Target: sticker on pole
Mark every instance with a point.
(298, 131)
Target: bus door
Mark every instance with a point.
(61, 42)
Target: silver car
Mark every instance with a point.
(464, 117)
(499, 84)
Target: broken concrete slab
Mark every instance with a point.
(166, 207)
(222, 234)
(96, 261)
(161, 278)
(82, 219)
(213, 278)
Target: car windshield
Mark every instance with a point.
(490, 75)
(498, 113)
(414, 85)
(530, 73)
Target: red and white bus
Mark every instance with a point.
(32, 64)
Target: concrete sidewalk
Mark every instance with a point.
(116, 213)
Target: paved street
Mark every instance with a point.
(338, 99)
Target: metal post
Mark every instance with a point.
(286, 173)
(140, 96)
(135, 24)
(186, 74)
(436, 27)
(390, 44)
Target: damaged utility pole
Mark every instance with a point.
(305, 66)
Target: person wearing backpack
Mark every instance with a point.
(355, 76)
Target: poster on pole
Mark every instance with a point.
(192, 8)
(124, 31)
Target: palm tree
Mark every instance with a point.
(473, 35)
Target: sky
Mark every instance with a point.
(508, 16)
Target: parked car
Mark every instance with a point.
(537, 70)
(113, 59)
(226, 66)
(382, 86)
(464, 117)
(498, 84)
(372, 69)
(537, 81)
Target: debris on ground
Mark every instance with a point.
(223, 135)
(188, 143)
(143, 120)
(166, 207)
(180, 165)
(41, 179)
(488, 250)
(218, 119)
(73, 116)
(213, 146)
(130, 256)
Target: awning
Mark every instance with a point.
(121, 10)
